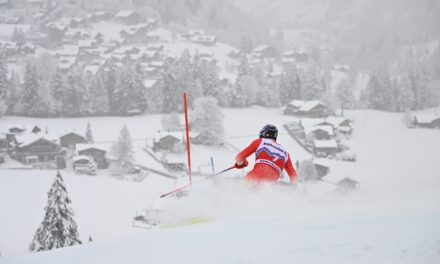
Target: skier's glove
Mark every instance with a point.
(241, 164)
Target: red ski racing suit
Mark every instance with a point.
(270, 160)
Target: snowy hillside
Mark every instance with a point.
(393, 218)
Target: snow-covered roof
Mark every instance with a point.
(149, 83)
(160, 135)
(85, 43)
(345, 129)
(331, 143)
(336, 121)
(426, 119)
(193, 32)
(309, 105)
(310, 128)
(203, 38)
(297, 103)
(124, 13)
(322, 162)
(28, 139)
(81, 147)
(81, 157)
(261, 48)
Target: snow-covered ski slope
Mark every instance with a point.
(393, 218)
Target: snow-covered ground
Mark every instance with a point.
(393, 218)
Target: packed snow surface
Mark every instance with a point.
(393, 218)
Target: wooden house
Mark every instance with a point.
(167, 140)
(265, 51)
(36, 149)
(427, 121)
(97, 153)
(128, 17)
(174, 162)
(311, 109)
(325, 147)
(319, 132)
(70, 140)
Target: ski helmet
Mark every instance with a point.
(269, 131)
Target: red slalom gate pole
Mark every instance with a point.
(188, 151)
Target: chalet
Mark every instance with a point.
(70, 140)
(135, 33)
(325, 147)
(265, 51)
(319, 132)
(128, 17)
(36, 149)
(167, 140)
(312, 109)
(97, 153)
(27, 48)
(339, 121)
(206, 40)
(427, 121)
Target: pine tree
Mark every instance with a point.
(58, 90)
(110, 79)
(98, 101)
(170, 93)
(58, 228)
(4, 83)
(290, 85)
(123, 152)
(243, 67)
(312, 88)
(344, 95)
(374, 93)
(89, 135)
(207, 119)
(31, 98)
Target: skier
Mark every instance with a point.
(270, 158)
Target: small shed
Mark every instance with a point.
(167, 140)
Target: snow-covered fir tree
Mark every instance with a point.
(207, 119)
(110, 79)
(170, 92)
(209, 79)
(404, 95)
(311, 85)
(97, 97)
(58, 228)
(31, 101)
(4, 83)
(243, 66)
(58, 90)
(123, 152)
(74, 97)
(89, 135)
(129, 93)
(290, 85)
(344, 95)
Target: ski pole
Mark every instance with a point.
(189, 185)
